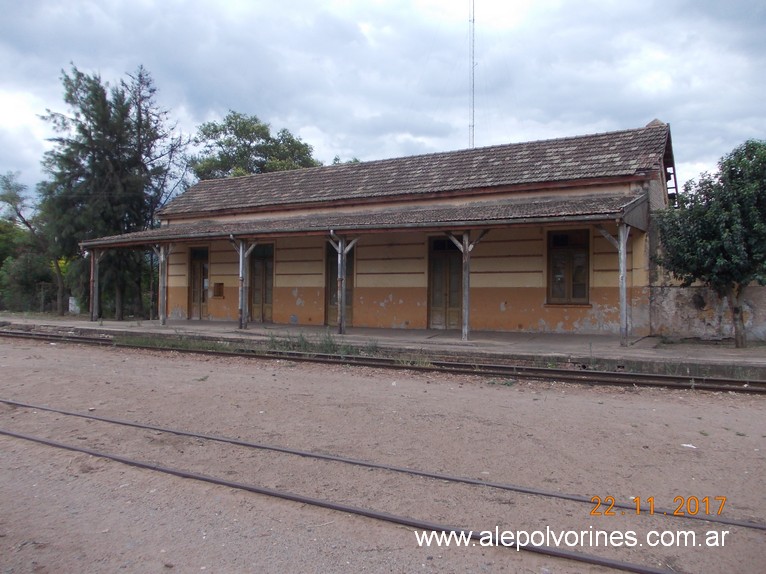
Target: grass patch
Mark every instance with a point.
(502, 382)
(414, 361)
(174, 343)
(327, 344)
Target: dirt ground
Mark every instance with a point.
(69, 512)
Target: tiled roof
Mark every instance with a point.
(485, 214)
(615, 154)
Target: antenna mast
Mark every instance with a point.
(472, 71)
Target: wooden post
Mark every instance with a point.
(343, 247)
(466, 285)
(91, 306)
(621, 244)
(241, 304)
(622, 239)
(244, 257)
(466, 246)
(341, 285)
(246, 281)
(162, 252)
(95, 303)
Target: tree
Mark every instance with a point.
(160, 154)
(717, 234)
(12, 194)
(11, 238)
(243, 145)
(337, 161)
(20, 279)
(114, 162)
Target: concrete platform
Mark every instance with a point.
(595, 352)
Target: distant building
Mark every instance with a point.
(547, 236)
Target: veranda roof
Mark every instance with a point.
(477, 215)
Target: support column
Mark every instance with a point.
(162, 252)
(621, 244)
(466, 246)
(623, 231)
(244, 288)
(343, 247)
(95, 304)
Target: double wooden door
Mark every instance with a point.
(262, 283)
(198, 283)
(445, 292)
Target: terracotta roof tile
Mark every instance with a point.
(614, 154)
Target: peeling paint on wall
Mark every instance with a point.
(697, 312)
(178, 312)
(388, 300)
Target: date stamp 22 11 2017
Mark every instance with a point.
(685, 506)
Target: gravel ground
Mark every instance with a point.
(69, 512)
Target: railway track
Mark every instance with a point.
(583, 376)
(108, 440)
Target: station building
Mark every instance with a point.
(544, 236)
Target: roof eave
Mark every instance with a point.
(115, 242)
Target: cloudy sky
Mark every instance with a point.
(385, 78)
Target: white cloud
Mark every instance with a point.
(390, 77)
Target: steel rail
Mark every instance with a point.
(658, 511)
(585, 376)
(340, 507)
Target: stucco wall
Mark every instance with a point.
(508, 283)
(697, 312)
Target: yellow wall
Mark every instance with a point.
(299, 281)
(508, 282)
(391, 282)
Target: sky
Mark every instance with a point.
(376, 79)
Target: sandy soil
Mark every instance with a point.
(68, 512)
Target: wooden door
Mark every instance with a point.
(198, 284)
(262, 283)
(445, 285)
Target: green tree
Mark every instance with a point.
(160, 154)
(115, 161)
(337, 161)
(243, 145)
(20, 280)
(717, 234)
(11, 238)
(13, 195)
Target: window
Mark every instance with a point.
(568, 268)
(217, 289)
